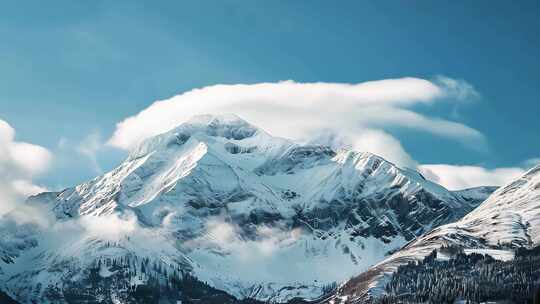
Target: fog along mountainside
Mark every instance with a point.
(219, 211)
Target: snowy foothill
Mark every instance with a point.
(508, 219)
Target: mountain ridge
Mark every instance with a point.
(508, 219)
(224, 201)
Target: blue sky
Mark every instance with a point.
(71, 70)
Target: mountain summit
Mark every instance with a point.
(222, 201)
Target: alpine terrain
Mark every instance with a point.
(218, 211)
(490, 254)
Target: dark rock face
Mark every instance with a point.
(236, 149)
(178, 140)
(238, 130)
(384, 217)
(300, 157)
(5, 299)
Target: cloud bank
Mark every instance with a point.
(19, 163)
(461, 177)
(356, 116)
(225, 237)
(356, 113)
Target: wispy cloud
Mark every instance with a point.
(19, 163)
(531, 162)
(226, 237)
(460, 177)
(304, 111)
(458, 89)
(89, 147)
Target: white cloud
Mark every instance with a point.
(109, 226)
(457, 88)
(30, 158)
(89, 147)
(224, 237)
(26, 188)
(304, 111)
(375, 141)
(33, 214)
(352, 115)
(19, 163)
(384, 145)
(461, 177)
(531, 162)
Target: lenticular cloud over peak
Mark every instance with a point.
(305, 110)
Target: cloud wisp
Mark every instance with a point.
(225, 237)
(461, 177)
(531, 162)
(303, 111)
(19, 163)
(89, 147)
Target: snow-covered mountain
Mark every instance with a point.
(477, 195)
(221, 200)
(508, 219)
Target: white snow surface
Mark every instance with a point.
(508, 218)
(221, 198)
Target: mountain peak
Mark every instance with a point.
(229, 126)
(207, 119)
(226, 126)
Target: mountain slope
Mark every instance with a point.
(477, 195)
(509, 218)
(222, 200)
